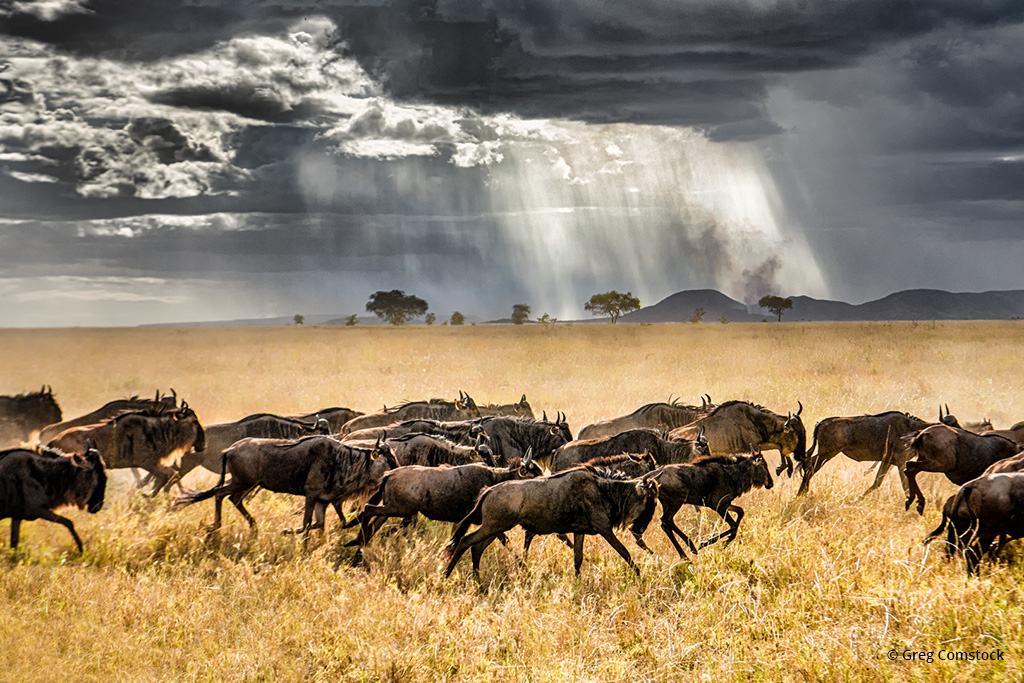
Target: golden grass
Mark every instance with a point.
(818, 588)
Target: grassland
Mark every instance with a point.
(820, 588)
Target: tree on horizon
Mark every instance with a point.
(613, 304)
(775, 304)
(396, 306)
(520, 314)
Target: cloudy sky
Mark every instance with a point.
(211, 159)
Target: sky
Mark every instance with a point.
(217, 159)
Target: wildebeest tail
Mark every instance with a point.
(475, 516)
(375, 498)
(947, 510)
(186, 497)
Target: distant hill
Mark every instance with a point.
(911, 304)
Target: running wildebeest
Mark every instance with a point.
(109, 410)
(511, 437)
(713, 481)
(520, 409)
(150, 440)
(950, 420)
(34, 484)
(336, 417)
(1014, 433)
(464, 408)
(263, 425)
(663, 416)
(863, 438)
(432, 451)
(959, 454)
(321, 469)
(24, 414)
(665, 451)
(444, 494)
(579, 501)
(739, 426)
(632, 465)
(988, 509)
(462, 432)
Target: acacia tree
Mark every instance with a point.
(775, 304)
(396, 306)
(352, 320)
(520, 314)
(458, 319)
(612, 304)
(299, 319)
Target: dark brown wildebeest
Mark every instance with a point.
(444, 494)
(1014, 433)
(336, 417)
(428, 450)
(713, 481)
(520, 409)
(663, 416)
(959, 454)
(579, 501)
(319, 468)
(665, 451)
(977, 427)
(988, 509)
(864, 438)
(24, 414)
(263, 425)
(464, 408)
(150, 440)
(462, 432)
(739, 426)
(511, 437)
(34, 484)
(109, 410)
(632, 465)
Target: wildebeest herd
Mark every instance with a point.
(496, 467)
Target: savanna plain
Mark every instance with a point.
(822, 587)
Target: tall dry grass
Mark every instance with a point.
(818, 588)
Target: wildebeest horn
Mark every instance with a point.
(700, 432)
(174, 396)
(800, 408)
(940, 412)
(523, 399)
(528, 458)
(703, 402)
(544, 417)
(947, 410)
(709, 398)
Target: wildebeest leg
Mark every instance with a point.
(50, 516)
(911, 470)
(619, 548)
(733, 522)
(785, 463)
(815, 464)
(668, 525)
(477, 552)
(577, 551)
(341, 513)
(237, 499)
(903, 479)
(527, 540)
(465, 543)
(15, 532)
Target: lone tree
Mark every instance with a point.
(775, 304)
(458, 319)
(612, 304)
(430, 319)
(698, 315)
(299, 319)
(351, 321)
(520, 314)
(396, 306)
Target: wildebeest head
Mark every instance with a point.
(483, 450)
(91, 485)
(186, 415)
(794, 438)
(321, 426)
(529, 468)
(465, 402)
(382, 449)
(700, 444)
(647, 501)
(560, 427)
(761, 475)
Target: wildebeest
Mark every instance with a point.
(1014, 433)
(739, 426)
(632, 465)
(713, 481)
(428, 450)
(464, 408)
(336, 417)
(444, 494)
(511, 437)
(263, 425)
(988, 509)
(949, 419)
(665, 451)
(24, 414)
(864, 438)
(109, 410)
(34, 484)
(520, 409)
(663, 416)
(959, 454)
(319, 468)
(463, 432)
(150, 440)
(580, 501)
